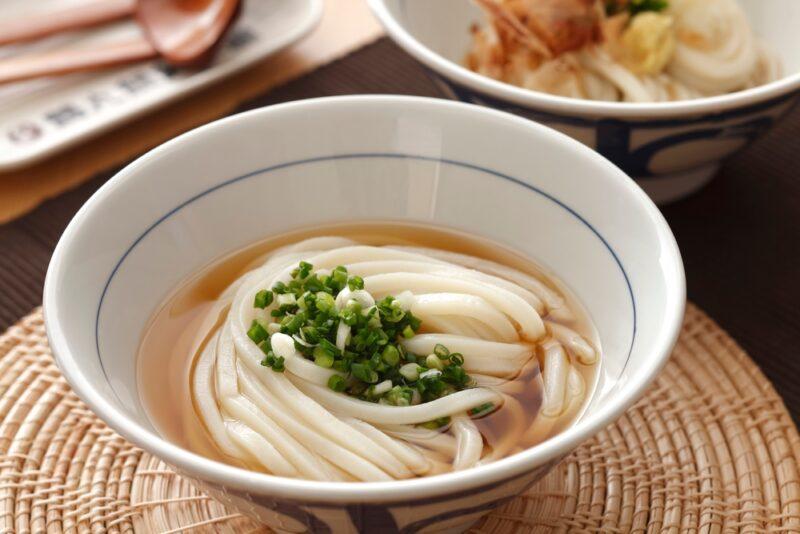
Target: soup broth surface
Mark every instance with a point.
(185, 322)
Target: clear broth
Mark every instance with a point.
(186, 320)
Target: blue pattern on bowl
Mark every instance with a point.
(616, 139)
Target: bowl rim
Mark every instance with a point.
(412, 490)
(575, 106)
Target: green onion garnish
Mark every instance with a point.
(364, 373)
(263, 299)
(481, 410)
(337, 383)
(257, 332)
(434, 362)
(391, 356)
(372, 364)
(355, 282)
(441, 351)
(323, 357)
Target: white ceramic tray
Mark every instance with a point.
(40, 117)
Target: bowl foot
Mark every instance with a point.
(672, 187)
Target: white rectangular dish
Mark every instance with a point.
(41, 117)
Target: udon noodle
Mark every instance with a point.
(286, 385)
(622, 50)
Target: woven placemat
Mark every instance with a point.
(710, 448)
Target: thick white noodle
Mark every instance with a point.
(573, 342)
(716, 52)
(293, 424)
(480, 356)
(408, 455)
(556, 370)
(516, 308)
(260, 448)
(316, 416)
(469, 442)
(511, 279)
(458, 326)
(371, 412)
(370, 268)
(205, 402)
(497, 271)
(326, 448)
(433, 440)
(283, 345)
(459, 305)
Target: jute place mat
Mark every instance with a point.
(346, 26)
(710, 448)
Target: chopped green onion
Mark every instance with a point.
(269, 359)
(355, 283)
(330, 347)
(436, 424)
(399, 396)
(257, 332)
(291, 323)
(337, 383)
(364, 373)
(323, 357)
(434, 362)
(390, 355)
(455, 374)
(273, 328)
(280, 288)
(410, 372)
(303, 270)
(266, 346)
(339, 277)
(286, 299)
(343, 366)
(441, 351)
(263, 299)
(483, 409)
(372, 364)
(350, 317)
(374, 319)
(430, 373)
(325, 301)
(305, 300)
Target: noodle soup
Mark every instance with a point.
(622, 50)
(367, 352)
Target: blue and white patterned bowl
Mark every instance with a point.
(236, 181)
(671, 149)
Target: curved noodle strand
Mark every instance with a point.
(295, 421)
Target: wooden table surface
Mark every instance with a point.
(740, 236)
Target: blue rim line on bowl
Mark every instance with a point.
(366, 492)
(272, 168)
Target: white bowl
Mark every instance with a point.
(671, 149)
(230, 183)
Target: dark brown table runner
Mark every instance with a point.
(740, 237)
